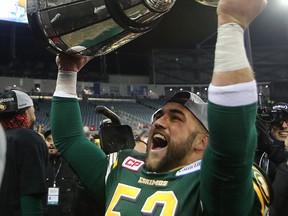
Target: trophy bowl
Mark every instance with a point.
(92, 27)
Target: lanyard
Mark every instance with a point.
(56, 172)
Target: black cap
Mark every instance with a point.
(281, 106)
(14, 100)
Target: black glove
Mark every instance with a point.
(265, 143)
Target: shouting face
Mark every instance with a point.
(176, 139)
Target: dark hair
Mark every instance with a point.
(47, 133)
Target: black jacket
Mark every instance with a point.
(59, 171)
(279, 206)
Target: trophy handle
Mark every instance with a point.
(212, 3)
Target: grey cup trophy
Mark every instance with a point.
(92, 27)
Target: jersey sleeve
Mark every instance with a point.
(87, 160)
(31, 205)
(226, 180)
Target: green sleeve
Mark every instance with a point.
(226, 180)
(87, 160)
(31, 205)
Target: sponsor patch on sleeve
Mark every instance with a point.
(132, 163)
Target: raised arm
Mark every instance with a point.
(87, 160)
(231, 63)
(226, 179)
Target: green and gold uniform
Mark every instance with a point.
(220, 184)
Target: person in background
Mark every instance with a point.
(61, 182)
(279, 206)
(23, 184)
(279, 171)
(279, 133)
(72, 198)
(279, 127)
(272, 134)
(180, 174)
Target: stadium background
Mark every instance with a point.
(135, 79)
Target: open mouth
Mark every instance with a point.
(159, 141)
(283, 133)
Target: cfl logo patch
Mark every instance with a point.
(132, 163)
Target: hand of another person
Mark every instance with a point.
(241, 12)
(265, 143)
(71, 63)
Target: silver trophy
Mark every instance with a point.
(212, 3)
(92, 27)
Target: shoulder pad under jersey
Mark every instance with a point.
(262, 187)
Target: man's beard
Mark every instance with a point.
(174, 156)
(53, 153)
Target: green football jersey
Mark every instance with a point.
(221, 184)
(139, 192)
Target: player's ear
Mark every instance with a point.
(202, 143)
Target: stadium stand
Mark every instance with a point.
(137, 114)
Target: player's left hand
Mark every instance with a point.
(242, 12)
(71, 63)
